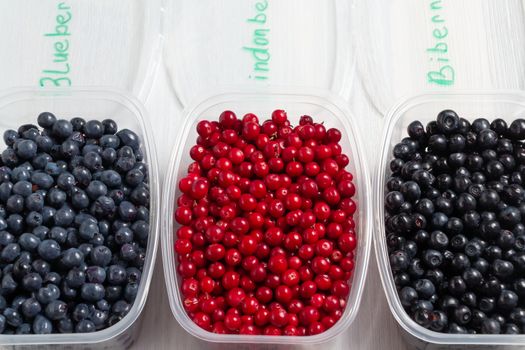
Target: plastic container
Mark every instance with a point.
(453, 45)
(262, 43)
(81, 43)
(469, 105)
(23, 106)
(321, 107)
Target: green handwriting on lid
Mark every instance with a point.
(258, 49)
(57, 73)
(441, 73)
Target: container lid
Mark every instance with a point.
(410, 47)
(213, 44)
(80, 43)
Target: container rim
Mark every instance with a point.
(385, 272)
(330, 103)
(135, 107)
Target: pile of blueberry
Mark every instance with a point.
(455, 214)
(74, 224)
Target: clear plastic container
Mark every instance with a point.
(81, 43)
(262, 43)
(453, 45)
(321, 106)
(470, 105)
(23, 106)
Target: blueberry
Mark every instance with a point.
(143, 214)
(462, 315)
(423, 317)
(26, 149)
(65, 325)
(56, 310)
(47, 294)
(507, 300)
(44, 143)
(15, 203)
(62, 128)
(32, 282)
(68, 293)
(34, 202)
(46, 120)
(516, 130)
(78, 123)
(113, 293)
(490, 326)
(110, 126)
(66, 181)
(129, 138)
(31, 308)
(48, 214)
(92, 292)
(424, 288)
(99, 318)
(101, 256)
(432, 258)
(127, 211)
(509, 217)
(103, 207)
(121, 308)
(6, 189)
(10, 252)
(502, 269)
(42, 325)
(95, 148)
(472, 277)
(9, 157)
(457, 286)
(82, 175)
(140, 229)
(34, 219)
(134, 275)
(96, 189)
(49, 249)
(103, 305)
(72, 257)
(6, 238)
(79, 198)
(69, 149)
(88, 229)
(131, 291)
(80, 312)
(10, 136)
(109, 155)
(439, 321)
(13, 317)
(128, 252)
(93, 161)
(64, 216)
(116, 275)
(111, 178)
(42, 180)
(40, 266)
(448, 122)
(109, 141)
(96, 274)
(85, 326)
(53, 278)
(124, 164)
(94, 129)
(125, 235)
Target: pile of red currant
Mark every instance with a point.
(267, 239)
